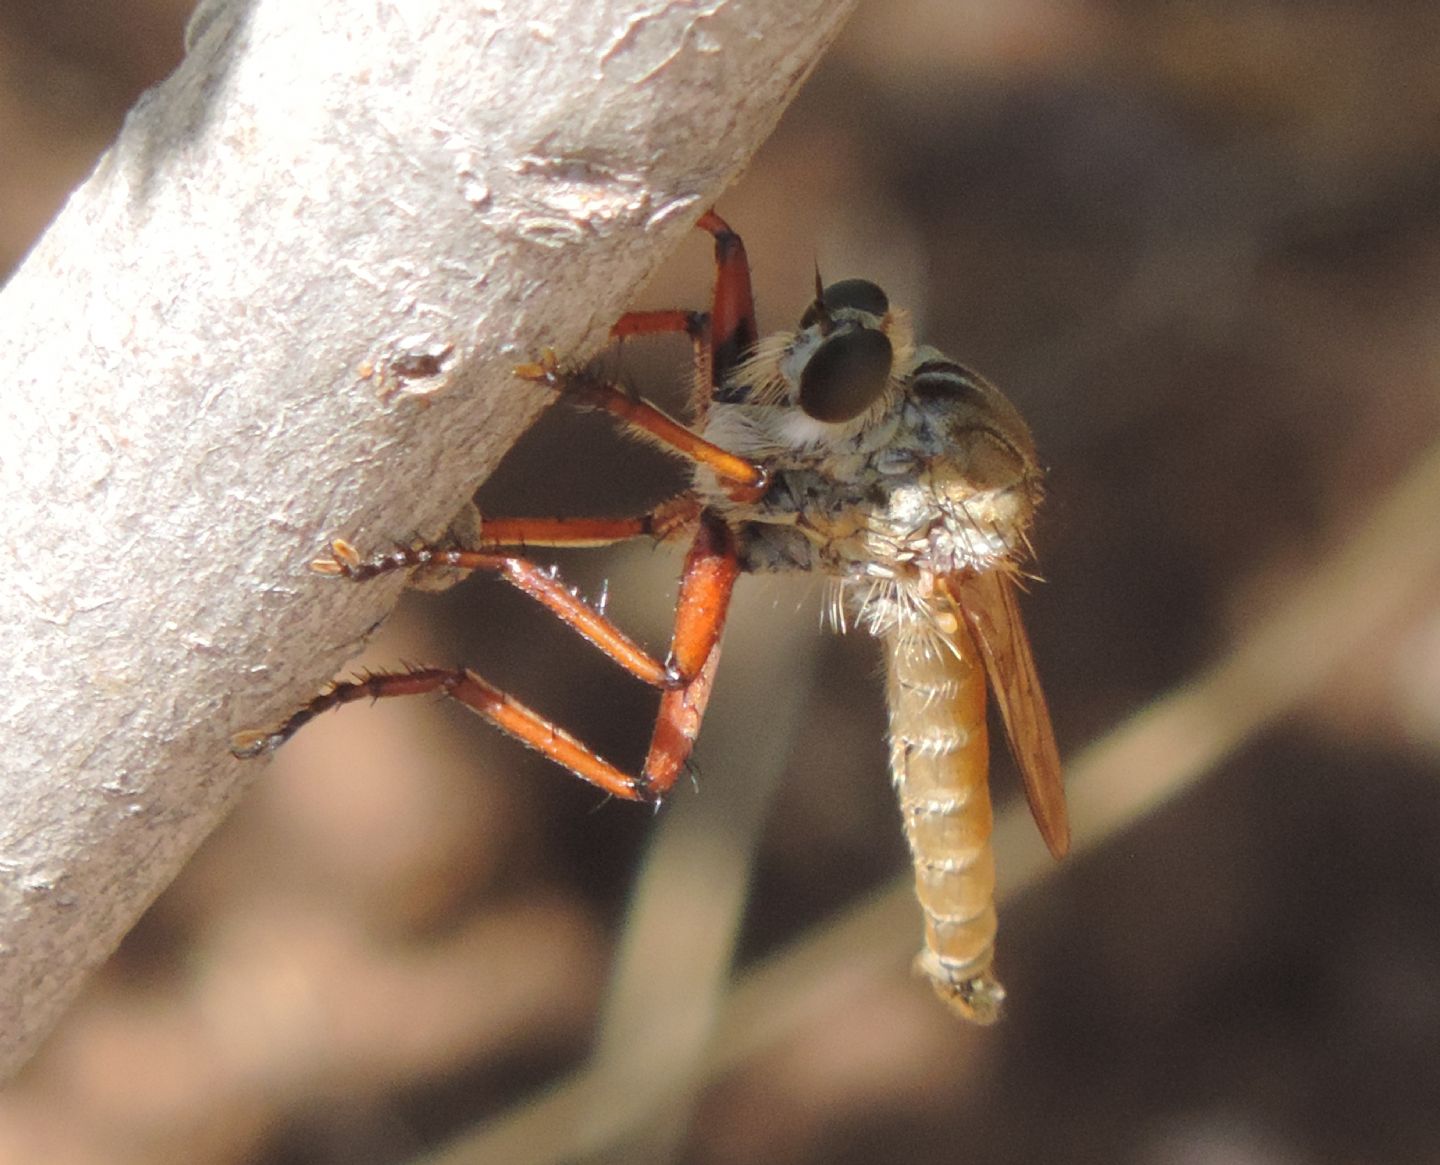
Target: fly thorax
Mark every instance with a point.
(941, 525)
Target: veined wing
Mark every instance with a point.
(988, 603)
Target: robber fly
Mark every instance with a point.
(845, 447)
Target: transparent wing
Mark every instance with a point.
(989, 605)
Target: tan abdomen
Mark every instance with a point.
(939, 760)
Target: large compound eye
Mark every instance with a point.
(847, 374)
(860, 294)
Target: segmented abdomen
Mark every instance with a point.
(939, 761)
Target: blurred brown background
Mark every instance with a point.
(1199, 246)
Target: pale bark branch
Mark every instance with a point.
(286, 305)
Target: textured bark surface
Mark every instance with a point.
(286, 305)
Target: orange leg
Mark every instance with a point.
(507, 714)
(711, 568)
(668, 520)
(722, 340)
(730, 326)
(540, 583)
(746, 481)
(732, 312)
(725, 336)
(666, 321)
(694, 324)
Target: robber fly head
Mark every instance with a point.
(837, 368)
